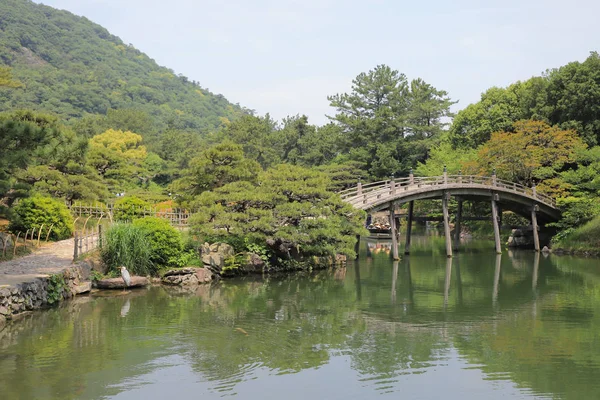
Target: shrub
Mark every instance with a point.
(128, 209)
(34, 211)
(165, 241)
(576, 211)
(129, 246)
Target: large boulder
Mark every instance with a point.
(117, 283)
(214, 255)
(253, 263)
(187, 276)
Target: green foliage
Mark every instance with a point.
(388, 123)
(6, 79)
(215, 167)
(130, 208)
(583, 238)
(260, 250)
(567, 96)
(129, 246)
(576, 211)
(56, 287)
(289, 210)
(445, 155)
(96, 276)
(44, 156)
(497, 110)
(165, 241)
(73, 67)
(119, 158)
(34, 211)
(256, 136)
(534, 152)
(344, 175)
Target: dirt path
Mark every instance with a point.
(48, 259)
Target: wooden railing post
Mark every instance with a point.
(75, 252)
(359, 188)
(534, 191)
(494, 177)
(15, 244)
(392, 185)
(445, 175)
(411, 177)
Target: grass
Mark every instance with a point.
(127, 245)
(585, 238)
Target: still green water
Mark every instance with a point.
(476, 326)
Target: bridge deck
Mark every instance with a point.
(374, 194)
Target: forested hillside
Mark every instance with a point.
(71, 67)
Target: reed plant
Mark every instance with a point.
(129, 246)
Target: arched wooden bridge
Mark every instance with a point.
(511, 196)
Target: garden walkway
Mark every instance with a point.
(48, 259)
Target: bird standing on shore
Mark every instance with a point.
(126, 277)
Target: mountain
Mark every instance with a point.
(73, 67)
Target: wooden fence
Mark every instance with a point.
(87, 240)
(176, 216)
(31, 238)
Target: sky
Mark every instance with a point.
(284, 57)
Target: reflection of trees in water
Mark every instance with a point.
(390, 318)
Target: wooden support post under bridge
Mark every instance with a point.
(496, 224)
(447, 224)
(457, 224)
(394, 233)
(534, 225)
(409, 227)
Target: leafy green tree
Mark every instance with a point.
(497, 110)
(387, 123)
(289, 210)
(57, 164)
(288, 138)
(573, 97)
(130, 208)
(22, 134)
(428, 107)
(376, 109)
(215, 167)
(7, 80)
(535, 151)
(256, 136)
(344, 175)
(320, 146)
(118, 157)
(445, 155)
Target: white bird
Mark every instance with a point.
(126, 277)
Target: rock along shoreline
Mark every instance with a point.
(46, 290)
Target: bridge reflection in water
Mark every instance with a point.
(503, 195)
(403, 268)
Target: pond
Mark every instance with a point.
(476, 326)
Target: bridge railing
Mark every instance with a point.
(365, 194)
